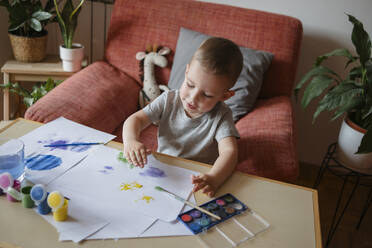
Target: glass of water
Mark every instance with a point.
(12, 157)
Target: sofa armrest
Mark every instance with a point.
(99, 96)
(267, 146)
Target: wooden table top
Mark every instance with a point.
(291, 210)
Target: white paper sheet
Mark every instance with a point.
(157, 229)
(44, 164)
(174, 228)
(89, 215)
(81, 221)
(102, 174)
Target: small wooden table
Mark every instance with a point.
(14, 71)
(291, 210)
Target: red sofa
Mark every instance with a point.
(105, 93)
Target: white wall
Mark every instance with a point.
(326, 27)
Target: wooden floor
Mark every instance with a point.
(346, 236)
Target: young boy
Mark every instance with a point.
(194, 122)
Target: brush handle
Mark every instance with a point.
(188, 203)
(74, 144)
(202, 209)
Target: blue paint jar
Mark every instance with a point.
(12, 157)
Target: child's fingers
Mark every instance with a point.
(198, 186)
(197, 178)
(207, 189)
(210, 194)
(143, 156)
(133, 158)
(139, 158)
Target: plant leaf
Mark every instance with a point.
(28, 101)
(316, 87)
(49, 85)
(361, 40)
(41, 15)
(366, 143)
(355, 73)
(319, 70)
(338, 52)
(337, 97)
(35, 24)
(353, 103)
(365, 115)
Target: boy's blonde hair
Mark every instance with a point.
(220, 56)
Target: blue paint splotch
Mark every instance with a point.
(153, 172)
(43, 162)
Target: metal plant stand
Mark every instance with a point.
(356, 177)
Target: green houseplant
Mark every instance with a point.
(68, 20)
(71, 53)
(351, 95)
(37, 92)
(27, 21)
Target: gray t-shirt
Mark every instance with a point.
(191, 138)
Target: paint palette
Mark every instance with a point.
(225, 206)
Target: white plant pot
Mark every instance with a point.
(348, 142)
(72, 57)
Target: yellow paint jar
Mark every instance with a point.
(61, 213)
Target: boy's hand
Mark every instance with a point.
(205, 183)
(136, 153)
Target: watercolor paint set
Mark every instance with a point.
(237, 223)
(225, 207)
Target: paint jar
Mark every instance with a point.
(27, 202)
(39, 195)
(16, 189)
(43, 207)
(60, 214)
(12, 157)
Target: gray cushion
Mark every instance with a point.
(249, 82)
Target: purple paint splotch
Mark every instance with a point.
(79, 148)
(59, 142)
(153, 172)
(107, 170)
(65, 148)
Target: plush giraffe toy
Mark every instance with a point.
(151, 89)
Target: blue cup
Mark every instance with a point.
(12, 157)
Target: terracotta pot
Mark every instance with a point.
(28, 49)
(349, 140)
(71, 57)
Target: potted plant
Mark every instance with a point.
(72, 54)
(351, 95)
(27, 21)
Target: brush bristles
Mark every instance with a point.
(159, 188)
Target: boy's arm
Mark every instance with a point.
(134, 150)
(222, 168)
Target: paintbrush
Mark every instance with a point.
(188, 203)
(75, 144)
